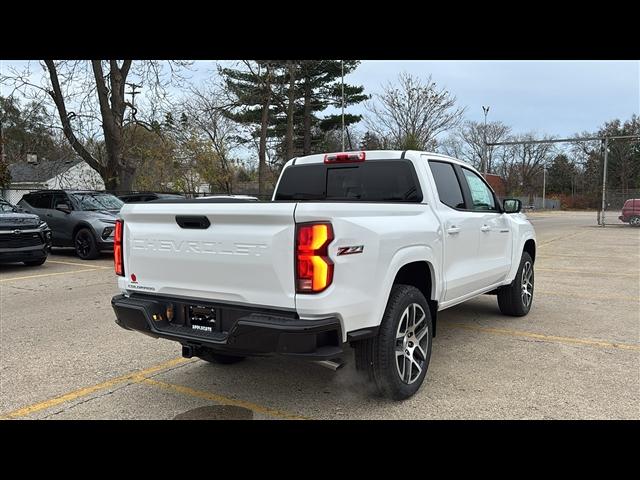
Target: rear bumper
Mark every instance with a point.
(238, 331)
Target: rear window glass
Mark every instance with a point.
(38, 200)
(374, 181)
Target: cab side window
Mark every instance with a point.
(481, 195)
(447, 184)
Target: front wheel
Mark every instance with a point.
(634, 221)
(516, 299)
(86, 246)
(396, 361)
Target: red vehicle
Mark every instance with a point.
(631, 212)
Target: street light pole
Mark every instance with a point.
(485, 165)
(544, 186)
(604, 179)
(342, 66)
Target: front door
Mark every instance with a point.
(59, 221)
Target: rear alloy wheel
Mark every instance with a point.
(85, 244)
(396, 361)
(411, 343)
(634, 221)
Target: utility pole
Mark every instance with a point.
(604, 178)
(544, 186)
(342, 66)
(133, 94)
(1, 143)
(484, 167)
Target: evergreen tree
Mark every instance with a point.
(255, 90)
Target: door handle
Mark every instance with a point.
(485, 228)
(48, 215)
(453, 230)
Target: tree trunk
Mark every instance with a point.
(290, 111)
(307, 117)
(116, 174)
(264, 125)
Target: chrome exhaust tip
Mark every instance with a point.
(330, 364)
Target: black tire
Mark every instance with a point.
(220, 358)
(634, 221)
(35, 263)
(377, 358)
(511, 297)
(86, 245)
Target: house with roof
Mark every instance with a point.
(497, 183)
(37, 174)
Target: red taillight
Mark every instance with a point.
(344, 157)
(118, 253)
(314, 268)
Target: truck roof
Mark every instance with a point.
(375, 155)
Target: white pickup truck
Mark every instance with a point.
(357, 249)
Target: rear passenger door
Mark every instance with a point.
(460, 269)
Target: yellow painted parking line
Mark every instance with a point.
(589, 297)
(548, 338)
(134, 377)
(224, 400)
(586, 272)
(26, 277)
(77, 264)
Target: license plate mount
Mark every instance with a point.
(202, 318)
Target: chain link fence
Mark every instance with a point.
(615, 211)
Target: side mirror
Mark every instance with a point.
(63, 207)
(511, 205)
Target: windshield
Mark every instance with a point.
(98, 201)
(6, 206)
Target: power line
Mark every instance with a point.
(560, 140)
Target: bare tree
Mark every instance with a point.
(412, 113)
(521, 165)
(206, 109)
(90, 96)
(467, 143)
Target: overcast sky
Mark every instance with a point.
(547, 97)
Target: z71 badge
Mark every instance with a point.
(350, 250)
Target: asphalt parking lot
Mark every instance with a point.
(575, 356)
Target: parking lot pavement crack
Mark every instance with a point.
(91, 399)
(21, 288)
(136, 380)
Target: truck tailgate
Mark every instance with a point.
(245, 255)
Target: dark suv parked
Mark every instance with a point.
(84, 220)
(23, 237)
